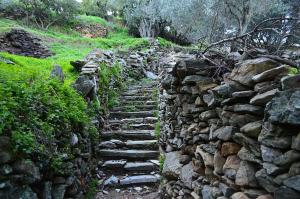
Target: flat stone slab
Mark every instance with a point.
(129, 153)
(112, 164)
(133, 134)
(132, 114)
(142, 144)
(140, 179)
(140, 166)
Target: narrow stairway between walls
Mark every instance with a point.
(129, 151)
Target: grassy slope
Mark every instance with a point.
(67, 45)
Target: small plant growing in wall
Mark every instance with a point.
(157, 130)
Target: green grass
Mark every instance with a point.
(68, 45)
(92, 20)
(157, 130)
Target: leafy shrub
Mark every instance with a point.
(23, 142)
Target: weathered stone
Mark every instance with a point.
(263, 98)
(58, 73)
(273, 136)
(271, 74)
(247, 108)
(245, 175)
(285, 193)
(246, 155)
(263, 87)
(272, 169)
(186, 175)
(226, 190)
(239, 195)
(219, 162)
(27, 168)
(280, 178)
(287, 158)
(139, 179)
(185, 159)
(285, 108)
(112, 180)
(84, 85)
(208, 115)
(229, 148)
(224, 133)
(249, 143)
(252, 129)
(5, 157)
(266, 181)
(47, 190)
(207, 158)
(207, 192)
(231, 166)
(265, 197)
(196, 80)
(296, 142)
(244, 73)
(269, 154)
(293, 182)
(172, 166)
(5, 143)
(58, 191)
(295, 169)
(290, 82)
(243, 94)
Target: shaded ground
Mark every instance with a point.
(129, 193)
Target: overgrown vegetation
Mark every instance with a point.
(162, 159)
(157, 130)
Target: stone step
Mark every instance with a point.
(146, 91)
(151, 120)
(135, 108)
(123, 165)
(144, 86)
(129, 144)
(128, 154)
(136, 98)
(131, 180)
(132, 114)
(129, 134)
(138, 102)
(124, 126)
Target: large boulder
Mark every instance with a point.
(285, 108)
(244, 73)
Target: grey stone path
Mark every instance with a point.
(129, 149)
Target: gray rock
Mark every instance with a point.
(151, 75)
(252, 129)
(114, 163)
(5, 169)
(140, 179)
(84, 85)
(219, 162)
(245, 175)
(285, 108)
(196, 79)
(273, 169)
(244, 73)
(287, 158)
(263, 98)
(263, 87)
(271, 74)
(296, 142)
(224, 133)
(246, 155)
(269, 154)
(58, 73)
(239, 195)
(140, 166)
(47, 190)
(265, 181)
(74, 139)
(247, 142)
(24, 192)
(172, 166)
(112, 180)
(5, 157)
(293, 182)
(226, 190)
(27, 168)
(295, 169)
(243, 94)
(285, 193)
(290, 82)
(247, 108)
(5, 143)
(186, 175)
(207, 192)
(58, 191)
(208, 115)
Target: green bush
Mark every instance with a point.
(23, 142)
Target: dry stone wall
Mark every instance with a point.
(237, 138)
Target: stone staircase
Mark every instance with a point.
(129, 150)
